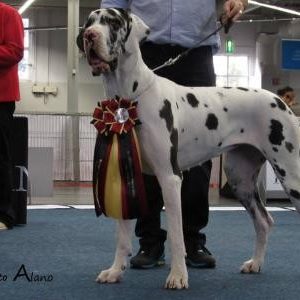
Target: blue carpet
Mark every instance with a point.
(69, 247)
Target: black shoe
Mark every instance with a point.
(200, 257)
(148, 258)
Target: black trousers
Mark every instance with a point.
(195, 69)
(6, 165)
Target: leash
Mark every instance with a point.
(171, 61)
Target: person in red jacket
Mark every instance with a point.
(11, 52)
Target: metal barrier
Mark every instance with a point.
(72, 138)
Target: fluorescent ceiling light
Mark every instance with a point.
(25, 6)
(288, 11)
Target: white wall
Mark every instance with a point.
(49, 67)
(274, 77)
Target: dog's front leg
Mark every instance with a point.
(123, 250)
(171, 189)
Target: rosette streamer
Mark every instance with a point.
(118, 185)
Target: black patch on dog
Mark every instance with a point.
(242, 130)
(173, 153)
(166, 114)
(135, 85)
(177, 105)
(243, 89)
(276, 136)
(115, 22)
(183, 100)
(275, 160)
(281, 172)
(225, 109)
(295, 194)
(212, 122)
(273, 105)
(280, 103)
(111, 12)
(91, 20)
(205, 105)
(192, 100)
(289, 146)
(275, 149)
(220, 144)
(113, 64)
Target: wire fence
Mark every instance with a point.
(57, 131)
(72, 138)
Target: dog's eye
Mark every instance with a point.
(114, 24)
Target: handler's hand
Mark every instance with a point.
(233, 9)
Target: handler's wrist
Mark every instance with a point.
(244, 3)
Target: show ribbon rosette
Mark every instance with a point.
(118, 185)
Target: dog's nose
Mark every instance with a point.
(90, 35)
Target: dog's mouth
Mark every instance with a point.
(98, 64)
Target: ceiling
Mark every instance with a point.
(53, 3)
(252, 13)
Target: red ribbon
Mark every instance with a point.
(115, 116)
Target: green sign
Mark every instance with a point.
(229, 46)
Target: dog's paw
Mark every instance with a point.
(250, 266)
(177, 281)
(109, 276)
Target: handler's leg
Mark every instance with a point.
(148, 229)
(6, 120)
(195, 211)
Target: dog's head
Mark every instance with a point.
(107, 34)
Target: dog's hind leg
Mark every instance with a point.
(123, 250)
(242, 166)
(287, 171)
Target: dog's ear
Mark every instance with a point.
(79, 39)
(141, 29)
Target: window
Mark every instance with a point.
(24, 63)
(232, 70)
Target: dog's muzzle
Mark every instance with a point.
(98, 64)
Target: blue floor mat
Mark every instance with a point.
(59, 253)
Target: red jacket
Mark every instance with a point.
(11, 52)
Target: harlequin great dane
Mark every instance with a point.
(185, 126)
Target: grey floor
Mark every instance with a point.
(71, 194)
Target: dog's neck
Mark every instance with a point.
(131, 77)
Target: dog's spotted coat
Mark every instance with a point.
(185, 126)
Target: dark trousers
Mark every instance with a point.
(195, 69)
(6, 165)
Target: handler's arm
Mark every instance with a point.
(12, 47)
(114, 3)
